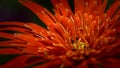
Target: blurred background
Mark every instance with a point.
(14, 11)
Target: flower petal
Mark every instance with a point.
(6, 35)
(10, 51)
(50, 64)
(42, 13)
(37, 29)
(12, 23)
(112, 63)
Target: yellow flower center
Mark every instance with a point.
(79, 46)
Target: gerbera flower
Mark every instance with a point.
(86, 37)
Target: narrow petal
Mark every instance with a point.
(62, 7)
(50, 64)
(10, 51)
(13, 44)
(12, 23)
(42, 13)
(111, 63)
(110, 12)
(18, 29)
(37, 29)
(6, 35)
(79, 7)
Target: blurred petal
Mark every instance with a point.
(10, 51)
(50, 64)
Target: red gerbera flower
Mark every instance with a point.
(88, 37)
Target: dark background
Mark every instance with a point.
(12, 10)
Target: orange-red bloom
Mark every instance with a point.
(87, 37)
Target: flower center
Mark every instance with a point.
(81, 50)
(79, 46)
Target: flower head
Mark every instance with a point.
(86, 37)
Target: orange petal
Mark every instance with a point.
(79, 7)
(31, 50)
(12, 23)
(37, 29)
(50, 64)
(110, 12)
(62, 7)
(25, 37)
(18, 29)
(112, 63)
(41, 12)
(12, 44)
(6, 35)
(10, 51)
